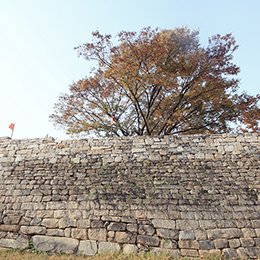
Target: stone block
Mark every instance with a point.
(83, 223)
(200, 234)
(132, 227)
(79, 233)
(75, 214)
(33, 230)
(87, 247)
(226, 224)
(104, 247)
(139, 214)
(45, 214)
(97, 224)
(61, 214)
(55, 244)
(227, 233)
(125, 237)
(11, 220)
(67, 232)
(72, 205)
(99, 234)
(220, 243)
(257, 241)
(168, 244)
(126, 220)
(148, 240)
(189, 252)
(174, 215)
(186, 235)
(3, 234)
(168, 233)
(248, 232)
(9, 228)
(35, 222)
(55, 233)
(157, 214)
(25, 221)
(206, 245)
(30, 213)
(209, 253)
(234, 243)
(247, 242)
(50, 222)
(160, 223)
(5, 243)
(22, 242)
(230, 253)
(242, 253)
(207, 224)
(130, 249)
(253, 252)
(116, 226)
(146, 230)
(171, 252)
(189, 244)
(255, 223)
(111, 234)
(67, 222)
(56, 205)
(27, 206)
(187, 224)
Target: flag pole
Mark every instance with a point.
(12, 128)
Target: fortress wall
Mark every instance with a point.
(186, 195)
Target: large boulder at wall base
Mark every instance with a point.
(55, 244)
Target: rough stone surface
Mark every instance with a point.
(194, 194)
(169, 244)
(114, 226)
(227, 233)
(168, 233)
(220, 243)
(189, 252)
(172, 252)
(33, 230)
(186, 235)
(87, 247)
(7, 243)
(108, 247)
(234, 243)
(125, 237)
(206, 245)
(55, 244)
(230, 253)
(160, 223)
(22, 242)
(148, 240)
(130, 249)
(99, 234)
(189, 244)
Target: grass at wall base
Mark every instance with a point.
(21, 254)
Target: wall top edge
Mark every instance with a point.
(203, 136)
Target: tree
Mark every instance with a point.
(158, 82)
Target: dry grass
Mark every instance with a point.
(18, 254)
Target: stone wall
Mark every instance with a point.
(185, 195)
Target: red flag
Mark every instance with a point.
(112, 119)
(11, 127)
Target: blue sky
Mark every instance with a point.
(37, 60)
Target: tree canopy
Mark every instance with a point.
(158, 82)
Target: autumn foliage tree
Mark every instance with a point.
(158, 82)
